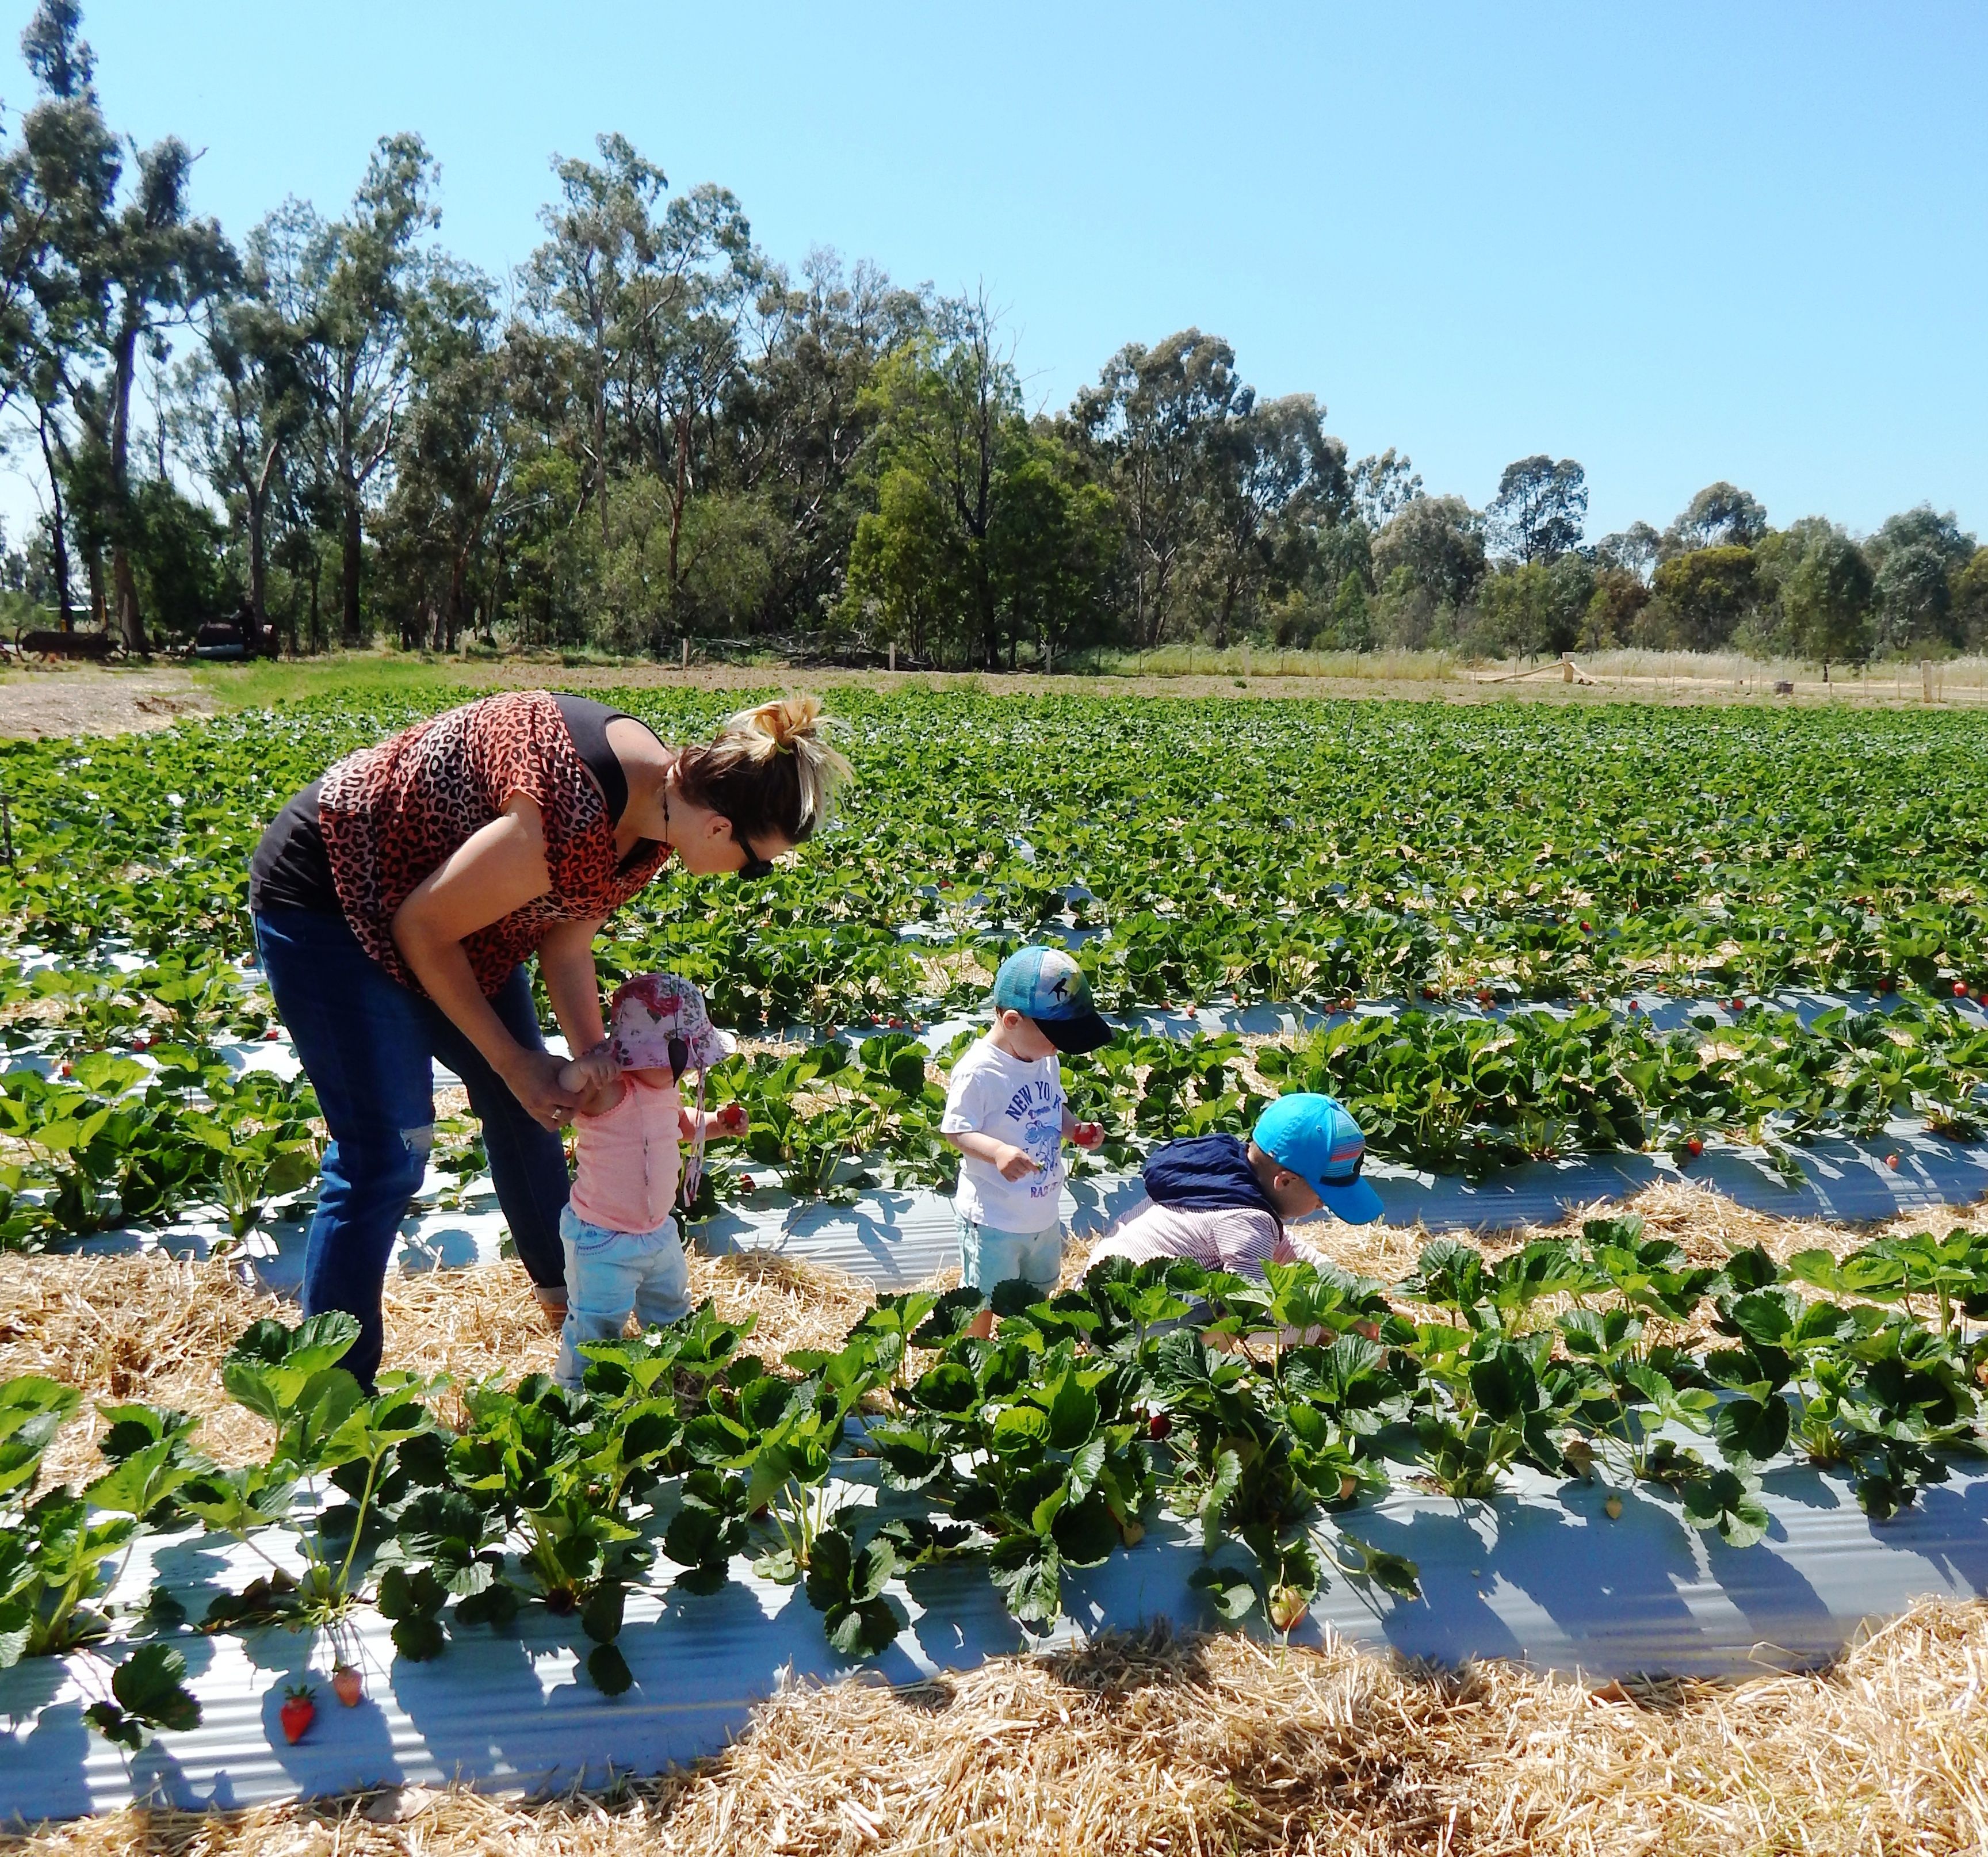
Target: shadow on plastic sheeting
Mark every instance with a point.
(1541, 1576)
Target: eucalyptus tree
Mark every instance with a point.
(1157, 423)
(455, 448)
(345, 288)
(795, 422)
(1276, 476)
(240, 403)
(1539, 510)
(600, 233)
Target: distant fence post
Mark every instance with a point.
(686, 652)
(893, 657)
(1925, 679)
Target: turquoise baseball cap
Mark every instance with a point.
(1045, 985)
(1315, 1138)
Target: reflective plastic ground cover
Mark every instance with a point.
(1542, 1575)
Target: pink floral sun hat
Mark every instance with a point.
(661, 1024)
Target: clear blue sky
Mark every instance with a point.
(1677, 242)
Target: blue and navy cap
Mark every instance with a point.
(1045, 985)
(1315, 1138)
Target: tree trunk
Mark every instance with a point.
(678, 497)
(130, 623)
(350, 545)
(99, 610)
(258, 501)
(317, 621)
(58, 530)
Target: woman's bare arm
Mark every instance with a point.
(493, 871)
(573, 984)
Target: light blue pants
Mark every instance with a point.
(988, 1256)
(608, 1273)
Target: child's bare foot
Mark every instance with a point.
(981, 1327)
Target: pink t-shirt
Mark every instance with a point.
(629, 1158)
(1238, 1239)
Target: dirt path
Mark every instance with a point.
(86, 700)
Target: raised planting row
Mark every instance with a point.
(1252, 1410)
(1300, 851)
(105, 1140)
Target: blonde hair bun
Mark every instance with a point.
(791, 725)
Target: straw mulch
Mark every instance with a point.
(1206, 1745)
(146, 1327)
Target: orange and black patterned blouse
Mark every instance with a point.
(391, 813)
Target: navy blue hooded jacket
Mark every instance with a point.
(1207, 1173)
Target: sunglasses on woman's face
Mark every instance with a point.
(755, 866)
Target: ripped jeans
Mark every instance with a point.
(369, 1046)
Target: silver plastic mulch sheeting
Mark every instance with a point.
(1541, 1576)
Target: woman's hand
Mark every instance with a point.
(534, 1078)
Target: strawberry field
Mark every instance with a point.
(1519, 885)
(1508, 933)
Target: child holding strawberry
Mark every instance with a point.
(1005, 1113)
(622, 1252)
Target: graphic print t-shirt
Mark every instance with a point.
(1021, 1104)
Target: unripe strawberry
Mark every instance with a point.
(1288, 1607)
(1613, 1507)
(347, 1686)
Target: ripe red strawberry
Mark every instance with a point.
(1960, 990)
(1886, 984)
(348, 1686)
(731, 1118)
(68, 1070)
(1088, 1134)
(272, 1035)
(299, 1711)
(1586, 930)
(1891, 1161)
(745, 1183)
(1694, 1147)
(1159, 1425)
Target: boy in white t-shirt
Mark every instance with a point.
(1005, 1112)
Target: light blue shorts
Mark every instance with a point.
(609, 1273)
(988, 1257)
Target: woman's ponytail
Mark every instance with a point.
(770, 769)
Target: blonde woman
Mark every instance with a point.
(395, 901)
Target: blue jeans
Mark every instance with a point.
(608, 1273)
(368, 1046)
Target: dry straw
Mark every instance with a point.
(1195, 1745)
(1157, 1745)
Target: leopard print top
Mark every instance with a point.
(392, 813)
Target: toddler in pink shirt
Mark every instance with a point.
(623, 1251)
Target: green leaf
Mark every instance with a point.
(600, 1617)
(866, 1629)
(419, 1637)
(1073, 1414)
(150, 1686)
(1753, 1429)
